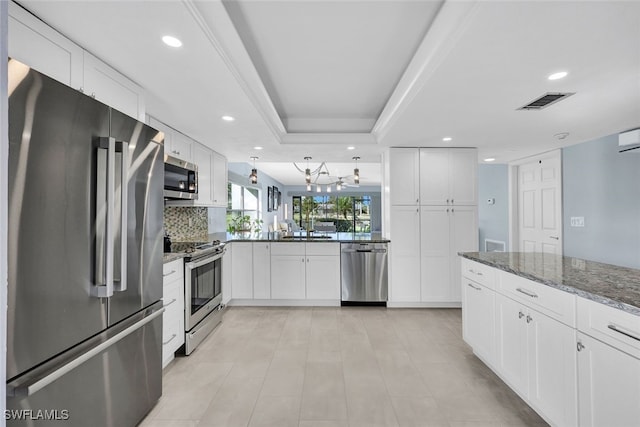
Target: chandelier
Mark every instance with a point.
(321, 176)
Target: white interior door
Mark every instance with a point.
(540, 204)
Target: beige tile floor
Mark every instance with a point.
(336, 367)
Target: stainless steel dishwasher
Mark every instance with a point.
(363, 271)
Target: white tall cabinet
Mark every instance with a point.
(432, 216)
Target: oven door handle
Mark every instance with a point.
(199, 263)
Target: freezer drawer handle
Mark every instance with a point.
(34, 385)
(620, 331)
(375, 251)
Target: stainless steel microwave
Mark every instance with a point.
(180, 179)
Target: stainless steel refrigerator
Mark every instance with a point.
(85, 258)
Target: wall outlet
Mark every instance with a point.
(577, 221)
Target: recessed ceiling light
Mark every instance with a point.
(447, 139)
(228, 118)
(257, 148)
(351, 148)
(171, 41)
(558, 75)
(489, 159)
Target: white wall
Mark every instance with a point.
(4, 149)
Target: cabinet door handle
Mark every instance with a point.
(579, 346)
(169, 340)
(451, 201)
(554, 237)
(529, 319)
(620, 331)
(447, 201)
(474, 287)
(479, 274)
(169, 273)
(451, 210)
(170, 302)
(527, 293)
(520, 315)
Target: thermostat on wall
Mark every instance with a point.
(491, 201)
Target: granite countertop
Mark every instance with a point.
(615, 286)
(301, 237)
(280, 237)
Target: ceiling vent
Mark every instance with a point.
(546, 100)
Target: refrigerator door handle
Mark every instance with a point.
(120, 245)
(104, 218)
(33, 385)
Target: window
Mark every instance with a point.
(348, 213)
(243, 201)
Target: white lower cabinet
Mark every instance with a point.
(536, 357)
(323, 277)
(478, 313)
(262, 270)
(288, 276)
(405, 257)
(308, 271)
(608, 351)
(242, 270)
(173, 316)
(293, 271)
(609, 385)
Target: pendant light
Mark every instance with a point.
(339, 184)
(307, 174)
(328, 188)
(356, 171)
(308, 187)
(254, 172)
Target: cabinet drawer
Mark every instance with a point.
(173, 299)
(479, 273)
(554, 303)
(173, 271)
(295, 248)
(330, 249)
(172, 339)
(615, 327)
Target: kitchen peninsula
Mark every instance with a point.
(280, 269)
(562, 332)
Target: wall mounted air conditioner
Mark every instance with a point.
(629, 141)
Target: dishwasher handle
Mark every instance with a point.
(376, 251)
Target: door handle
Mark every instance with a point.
(527, 293)
(122, 170)
(474, 287)
(104, 218)
(619, 330)
(554, 237)
(520, 315)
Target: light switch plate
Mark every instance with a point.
(577, 221)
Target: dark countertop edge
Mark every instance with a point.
(276, 237)
(566, 288)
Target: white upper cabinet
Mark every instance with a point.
(112, 88)
(219, 174)
(404, 176)
(37, 45)
(212, 167)
(202, 158)
(448, 176)
(181, 146)
(434, 176)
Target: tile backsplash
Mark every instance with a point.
(185, 224)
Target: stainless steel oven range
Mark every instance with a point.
(202, 293)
